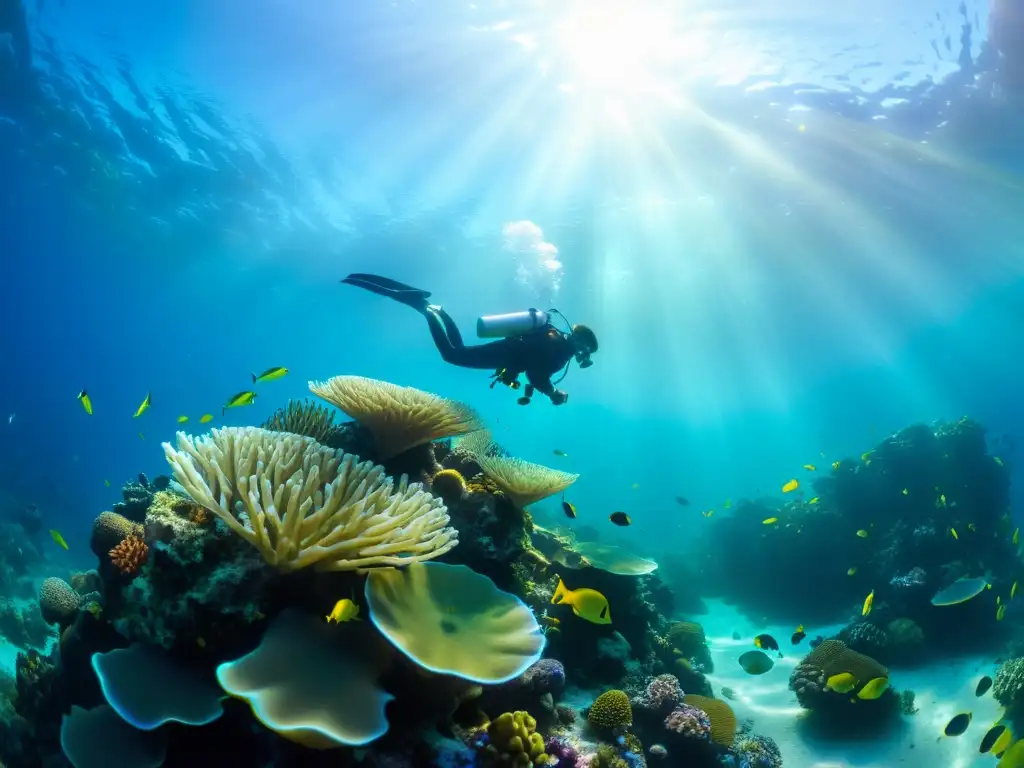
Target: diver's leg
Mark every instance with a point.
(448, 341)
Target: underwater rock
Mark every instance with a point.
(136, 499)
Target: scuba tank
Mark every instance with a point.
(512, 324)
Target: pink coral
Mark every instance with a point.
(663, 694)
(689, 722)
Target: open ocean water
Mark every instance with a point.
(795, 234)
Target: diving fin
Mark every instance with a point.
(393, 289)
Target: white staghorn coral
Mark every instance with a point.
(399, 418)
(308, 505)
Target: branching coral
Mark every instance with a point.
(307, 505)
(399, 418)
(1009, 683)
(130, 555)
(309, 419)
(523, 482)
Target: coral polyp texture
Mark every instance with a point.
(399, 418)
(58, 602)
(129, 555)
(611, 710)
(523, 482)
(308, 505)
(723, 720)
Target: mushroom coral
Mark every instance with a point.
(147, 689)
(399, 418)
(304, 686)
(451, 620)
(306, 504)
(100, 738)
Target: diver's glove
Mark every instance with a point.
(558, 397)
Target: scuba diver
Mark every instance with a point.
(527, 342)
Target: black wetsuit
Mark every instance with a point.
(539, 354)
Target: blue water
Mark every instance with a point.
(794, 231)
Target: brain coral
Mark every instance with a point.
(108, 530)
(58, 602)
(723, 721)
(611, 710)
(687, 636)
(830, 658)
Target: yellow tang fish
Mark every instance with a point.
(862, 533)
(1016, 537)
(851, 571)
(55, 535)
(144, 407)
(769, 521)
(1002, 743)
(1000, 612)
(182, 419)
(941, 501)
(953, 531)
(815, 500)
(269, 375)
(792, 485)
(873, 689)
(206, 418)
(835, 465)
(868, 602)
(586, 603)
(865, 456)
(1013, 590)
(236, 401)
(83, 398)
(810, 467)
(343, 610)
(844, 682)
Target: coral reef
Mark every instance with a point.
(129, 555)
(611, 710)
(58, 602)
(759, 752)
(310, 419)
(1009, 684)
(513, 740)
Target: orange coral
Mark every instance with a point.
(130, 555)
(199, 515)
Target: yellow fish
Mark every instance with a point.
(873, 689)
(904, 491)
(709, 513)
(106, 483)
(865, 456)
(83, 398)
(1013, 590)
(1016, 537)
(953, 531)
(862, 533)
(144, 407)
(835, 465)
(851, 571)
(997, 460)
(1000, 612)
(792, 485)
(236, 401)
(810, 467)
(206, 418)
(815, 500)
(769, 521)
(868, 602)
(844, 682)
(343, 610)
(1002, 743)
(586, 603)
(55, 535)
(269, 375)
(941, 501)
(182, 419)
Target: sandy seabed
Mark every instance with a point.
(941, 692)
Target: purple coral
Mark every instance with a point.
(663, 694)
(689, 722)
(545, 676)
(560, 748)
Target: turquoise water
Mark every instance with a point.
(794, 231)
